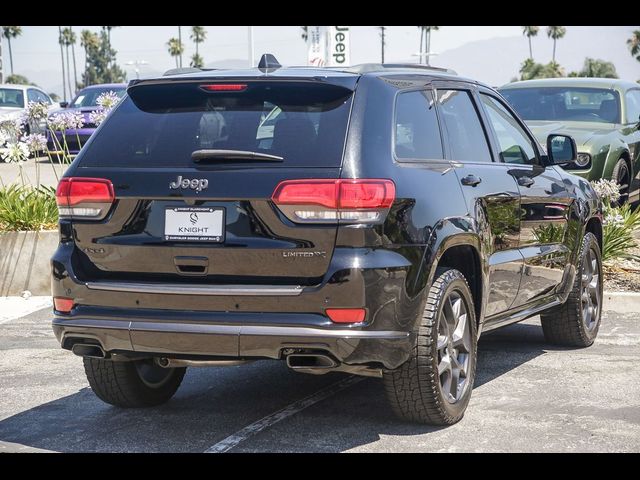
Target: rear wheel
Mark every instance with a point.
(434, 385)
(622, 176)
(139, 383)
(576, 323)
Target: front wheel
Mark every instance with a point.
(434, 385)
(577, 321)
(132, 384)
(622, 176)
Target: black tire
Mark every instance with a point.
(132, 384)
(569, 324)
(621, 174)
(415, 389)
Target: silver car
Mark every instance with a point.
(14, 99)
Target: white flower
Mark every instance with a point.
(16, 152)
(614, 219)
(98, 116)
(35, 142)
(66, 121)
(607, 190)
(36, 111)
(107, 100)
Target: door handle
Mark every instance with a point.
(525, 181)
(471, 180)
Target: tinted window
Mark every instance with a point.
(42, 97)
(633, 106)
(11, 97)
(417, 134)
(89, 96)
(515, 145)
(565, 103)
(161, 125)
(32, 95)
(465, 134)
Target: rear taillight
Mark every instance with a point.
(335, 201)
(63, 304)
(86, 198)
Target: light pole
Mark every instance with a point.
(250, 33)
(137, 64)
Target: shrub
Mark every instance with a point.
(28, 208)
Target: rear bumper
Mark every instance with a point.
(237, 335)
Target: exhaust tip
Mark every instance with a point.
(310, 360)
(87, 350)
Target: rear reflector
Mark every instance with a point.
(346, 315)
(224, 87)
(62, 304)
(332, 200)
(89, 198)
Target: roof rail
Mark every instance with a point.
(380, 67)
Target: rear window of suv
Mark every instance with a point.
(162, 125)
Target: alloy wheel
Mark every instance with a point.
(590, 297)
(623, 180)
(454, 347)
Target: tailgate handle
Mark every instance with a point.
(191, 265)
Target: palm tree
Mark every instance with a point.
(634, 44)
(180, 40)
(61, 42)
(9, 33)
(382, 43)
(555, 33)
(175, 48)
(108, 28)
(425, 41)
(88, 41)
(198, 35)
(530, 32)
(597, 69)
(68, 38)
(304, 33)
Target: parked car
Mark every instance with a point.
(602, 114)
(85, 103)
(13, 102)
(391, 215)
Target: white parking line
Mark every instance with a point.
(17, 307)
(9, 447)
(270, 420)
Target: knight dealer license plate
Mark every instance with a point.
(200, 224)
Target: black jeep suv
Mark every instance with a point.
(372, 220)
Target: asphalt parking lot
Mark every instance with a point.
(528, 396)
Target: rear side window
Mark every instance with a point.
(417, 133)
(467, 141)
(162, 125)
(633, 106)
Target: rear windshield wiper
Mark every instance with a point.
(222, 155)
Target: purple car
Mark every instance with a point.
(85, 103)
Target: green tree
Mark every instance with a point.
(101, 61)
(17, 79)
(383, 42)
(198, 36)
(9, 33)
(555, 33)
(596, 68)
(90, 42)
(530, 70)
(175, 48)
(425, 41)
(553, 70)
(529, 32)
(108, 29)
(634, 44)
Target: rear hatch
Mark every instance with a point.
(193, 166)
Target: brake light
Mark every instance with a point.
(331, 200)
(89, 198)
(224, 87)
(346, 315)
(62, 304)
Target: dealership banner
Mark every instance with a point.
(328, 46)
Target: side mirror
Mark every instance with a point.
(64, 104)
(561, 149)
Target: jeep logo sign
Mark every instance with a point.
(339, 47)
(328, 46)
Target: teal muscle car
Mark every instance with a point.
(601, 114)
